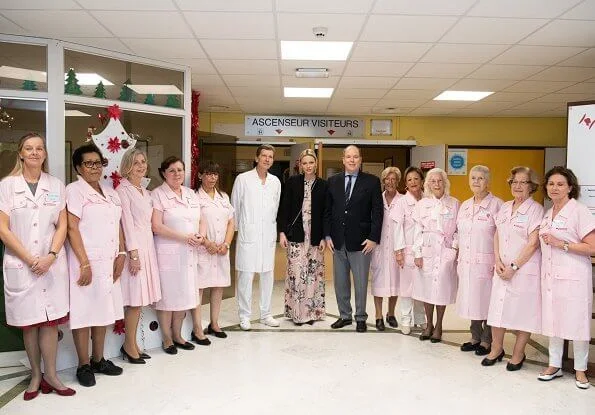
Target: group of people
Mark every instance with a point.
(506, 265)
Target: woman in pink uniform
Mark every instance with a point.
(411, 312)
(383, 266)
(33, 230)
(95, 260)
(476, 227)
(217, 223)
(567, 240)
(515, 301)
(140, 278)
(175, 222)
(435, 219)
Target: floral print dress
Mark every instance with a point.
(304, 285)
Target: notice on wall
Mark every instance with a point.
(302, 126)
(581, 148)
(457, 162)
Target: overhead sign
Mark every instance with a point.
(302, 126)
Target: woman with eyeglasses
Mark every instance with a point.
(435, 251)
(567, 241)
(140, 278)
(33, 230)
(96, 254)
(515, 301)
(301, 221)
(175, 222)
(217, 224)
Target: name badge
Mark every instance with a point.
(52, 198)
(192, 203)
(448, 215)
(522, 218)
(559, 224)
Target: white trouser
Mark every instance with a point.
(581, 353)
(411, 312)
(244, 293)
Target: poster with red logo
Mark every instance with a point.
(581, 148)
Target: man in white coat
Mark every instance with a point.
(255, 198)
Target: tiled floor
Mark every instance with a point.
(313, 369)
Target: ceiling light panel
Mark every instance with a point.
(462, 95)
(315, 51)
(290, 92)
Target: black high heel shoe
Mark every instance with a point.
(219, 334)
(144, 355)
(134, 360)
(491, 362)
(512, 367)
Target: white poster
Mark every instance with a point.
(581, 148)
(302, 126)
(457, 162)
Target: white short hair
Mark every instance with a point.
(481, 169)
(444, 176)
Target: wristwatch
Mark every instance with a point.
(514, 266)
(566, 246)
(53, 253)
(226, 245)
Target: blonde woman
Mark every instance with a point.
(140, 278)
(301, 220)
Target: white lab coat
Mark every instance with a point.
(255, 206)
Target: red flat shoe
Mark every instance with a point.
(47, 388)
(30, 395)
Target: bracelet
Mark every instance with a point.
(53, 253)
(87, 265)
(122, 253)
(134, 258)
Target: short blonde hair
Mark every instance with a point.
(128, 161)
(388, 171)
(442, 173)
(311, 153)
(483, 170)
(533, 178)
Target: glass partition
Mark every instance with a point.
(23, 66)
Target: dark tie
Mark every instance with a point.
(348, 188)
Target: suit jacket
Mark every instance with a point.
(291, 206)
(361, 218)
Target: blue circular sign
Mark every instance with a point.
(457, 161)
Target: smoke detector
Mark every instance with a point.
(320, 32)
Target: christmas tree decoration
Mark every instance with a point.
(111, 143)
(172, 101)
(29, 85)
(127, 94)
(100, 91)
(72, 84)
(150, 99)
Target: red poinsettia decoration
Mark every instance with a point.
(114, 111)
(114, 145)
(119, 327)
(116, 178)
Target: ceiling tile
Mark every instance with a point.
(377, 69)
(389, 51)
(51, 23)
(516, 97)
(517, 112)
(406, 28)
(357, 102)
(166, 48)
(481, 84)
(575, 33)
(492, 105)
(6, 26)
(583, 87)
(561, 112)
(108, 43)
(442, 70)
(491, 30)
(327, 6)
(538, 86)
(39, 5)
(341, 27)
(402, 102)
(425, 83)
(335, 68)
(199, 66)
(437, 112)
(367, 82)
(226, 6)
(446, 104)
(536, 55)
(251, 92)
(209, 90)
(473, 112)
(247, 67)
(210, 80)
(240, 49)
(216, 25)
(527, 8)
(560, 73)
(155, 24)
(423, 7)
(585, 59)
(537, 106)
(512, 72)
(359, 93)
(452, 53)
(412, 94)
(126, 5)
(563, 98)
(584, 11)
(251, 80)
(292, 81)
(392, 110)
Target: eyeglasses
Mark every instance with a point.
(521, 182)
(94, 164)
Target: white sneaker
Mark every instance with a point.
(269, 321)
(405, 330)
(245, 325)
(546, 378)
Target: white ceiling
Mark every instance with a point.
(536, 55)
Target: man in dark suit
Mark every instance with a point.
(354, 212)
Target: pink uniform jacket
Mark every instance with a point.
(476, 226)
(516, 304)
(404, 228)
(566, 278)
(435, 227)
(32, 299)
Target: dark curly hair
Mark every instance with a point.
(571, 179)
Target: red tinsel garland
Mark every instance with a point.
(194, 150)
(119, 327)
